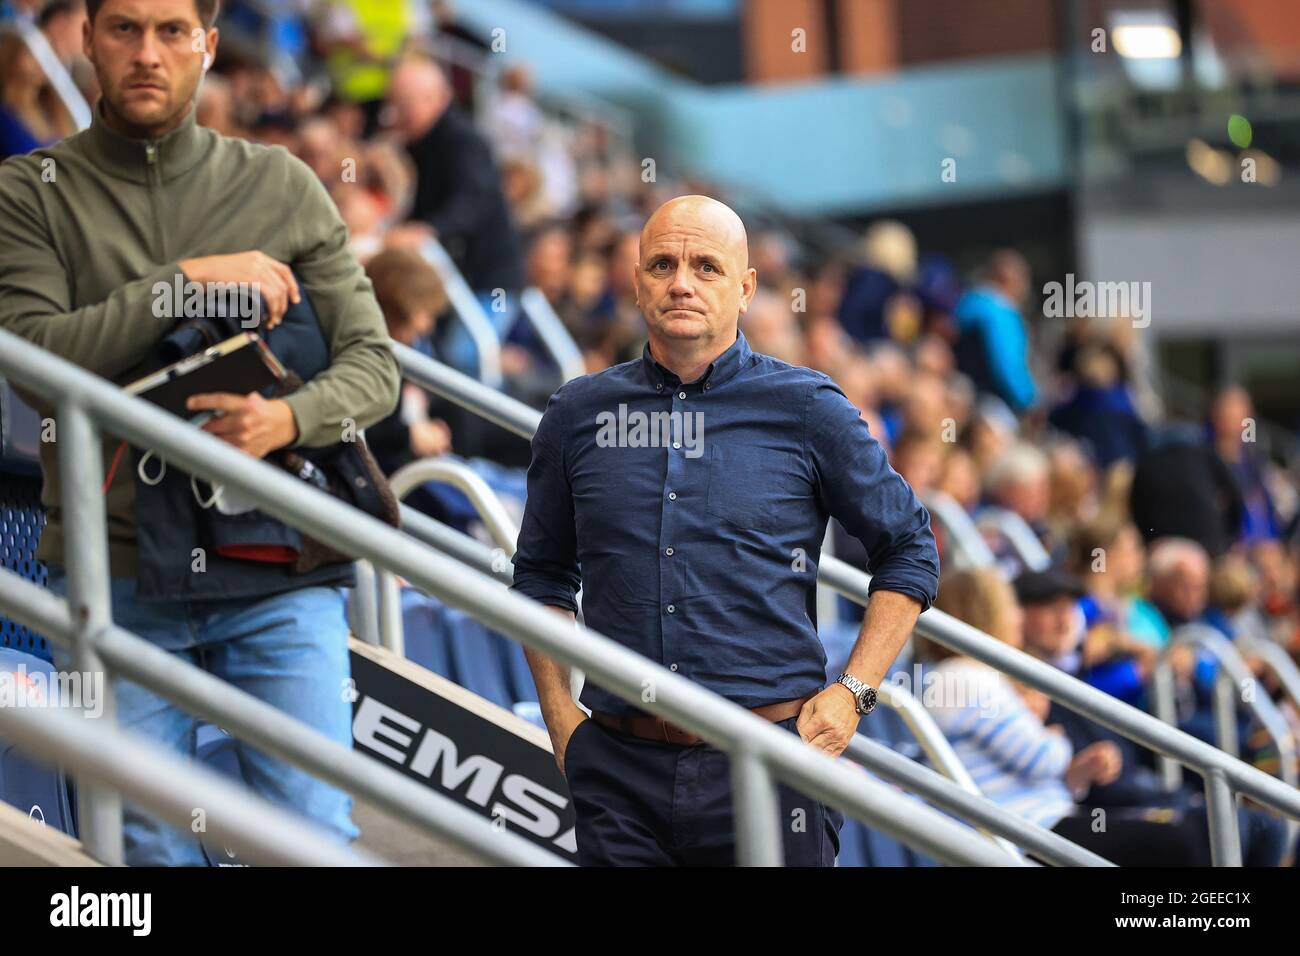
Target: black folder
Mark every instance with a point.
(240, 364)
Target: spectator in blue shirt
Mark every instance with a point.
(688, 493)
(992, 344)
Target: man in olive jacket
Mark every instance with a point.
(91, 231)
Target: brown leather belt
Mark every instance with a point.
(658, 729)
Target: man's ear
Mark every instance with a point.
(747, 289)
(87, 47)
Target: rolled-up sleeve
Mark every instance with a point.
(546, 561)
(871, 500)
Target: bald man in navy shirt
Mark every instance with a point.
(687, 493)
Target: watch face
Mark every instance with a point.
(867, 700)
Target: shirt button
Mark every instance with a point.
(677, 444)
(671, 608)
(681, 394)
(659, 388)
(672, 667)
(672, 496)
(668, 551)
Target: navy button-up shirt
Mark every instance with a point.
(692, 516)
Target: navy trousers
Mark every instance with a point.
(646, 803)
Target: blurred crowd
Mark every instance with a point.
(1077, 518)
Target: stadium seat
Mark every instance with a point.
(36, 789)
(451, 643)
(217, 750)
(478, 658)
(424, 623)
(21, 520)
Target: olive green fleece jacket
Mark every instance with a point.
(89, 226)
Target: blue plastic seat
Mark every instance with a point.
(35, 788)
(478, 658)
(424, 623)
(449, 642)
(216, 750)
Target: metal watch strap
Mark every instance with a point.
(856, 687)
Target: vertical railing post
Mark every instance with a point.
(1224, 698)
(392, 627)
(1225, 840)
(363, 614)
(757, 811)
(85, 545)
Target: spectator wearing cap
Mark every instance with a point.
(1107, 659)
(1022, 761)
(1058, 630)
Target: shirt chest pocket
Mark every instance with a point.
(753, 488)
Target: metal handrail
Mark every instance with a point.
(1018, 534)
(950, 789)
(828, 602)
(363, 601)
(933, 743)
(968, 547)
(1223, 774)
(551, 330)
(760, 753)
(927, 733)
(488, 504)
(466, 480)
(267, 728)
(1277, 660)
(1233, 673)
(55, 72)
(462, 547)
(174, 788)
(978, 810)
(468, 309)
(459, 388)
(392, 631)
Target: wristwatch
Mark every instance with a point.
(864, 695)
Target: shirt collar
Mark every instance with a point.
(722, 368)
(126, 158)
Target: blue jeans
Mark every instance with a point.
(289, 650)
